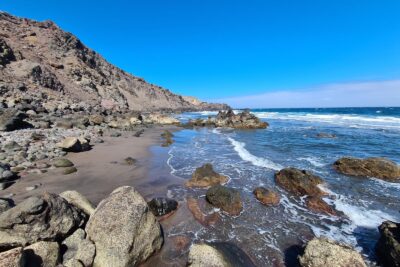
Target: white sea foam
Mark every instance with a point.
(244, 154)
(388, 122)
(314, 161)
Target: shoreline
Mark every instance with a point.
(100, 170)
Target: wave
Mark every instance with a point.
(336, 119)
(244, 154)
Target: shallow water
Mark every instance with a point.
(271, 235)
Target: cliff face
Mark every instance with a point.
(38, 59)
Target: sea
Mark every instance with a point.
(273, 236)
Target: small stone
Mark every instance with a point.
(130, 161)
(60, 163)
(162, 206)
(69, 170)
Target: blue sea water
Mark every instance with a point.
(251, 157)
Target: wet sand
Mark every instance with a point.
(100, 170)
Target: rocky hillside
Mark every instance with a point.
(40, 60)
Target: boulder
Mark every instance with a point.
(388, 246)
(322, 252)
(96, 119)
(62, 163)
(205, 176)
(78, 249)
(41, 254)
(370, 167)
(157, 118)
(78, 200)
(266, 196)
(6, 53)
(46, 217)
(299, 182)
(123, 229)
(161, 206)
(243, 120)
(11, 119)
(74, 144)
(6, 204)
(218, 254)
(11, 258)
(225, 198)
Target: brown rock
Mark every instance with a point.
(225, 198)
(205, 176)
(11, 258)
(316, 204)
(203, 219)
(299, 182)
(266, 196)
(370, 167)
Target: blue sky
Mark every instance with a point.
(223, 50)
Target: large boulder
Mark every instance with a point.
(322, 252)
(205, 176)
(299, 182)
(123, 229)
(388, 246)
(266, 196)
(6, 53)
(218, 254)
(41, 254)
(46, 217)
(11, 119)
(158, 118)
(225, 198)
(243, 120)
(74, 144)
(78, 200)
(370, 167)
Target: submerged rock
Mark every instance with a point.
(129, 161)
(124, 230)
(322, 252)
(218, 254)
(326, 135)
(225, 198)
(205, 176)
(316, 204)
(46, 217)
(266, 196)
(299, 182)
(204, 219)
(162, 206)
(388, 246)
(167, 136)
(370, 167)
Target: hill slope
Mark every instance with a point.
(41, 60)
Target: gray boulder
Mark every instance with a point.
(78, 200)
(11, 119)
(123, 229)
(322, 252)
(78, 249)
(41, 254)
(47, 217)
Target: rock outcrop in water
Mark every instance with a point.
(322, 252)
(388, 246)
(266, 196)
(205, 176)
(41, 62)
(225, 198)
(370, 167)
(303, 183)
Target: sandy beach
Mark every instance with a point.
(100, 170)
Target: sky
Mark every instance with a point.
(299, 52)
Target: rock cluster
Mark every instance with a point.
(49, 230)
(388, 246)
(370, 167)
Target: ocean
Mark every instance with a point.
(272, 235)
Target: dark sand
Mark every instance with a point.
(102, 169)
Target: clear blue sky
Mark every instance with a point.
(221, 49)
